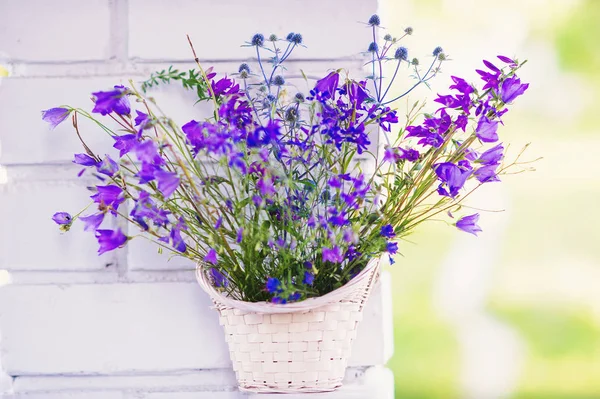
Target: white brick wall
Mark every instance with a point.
(131, 324)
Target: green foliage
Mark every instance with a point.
(190, 80)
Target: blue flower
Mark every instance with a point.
(62, 218)
(110, 240)
(487, 130)
(469, 224)
(112, 101)
(401, 53)
(391, 247)
(168, 182)
(85, 160)
(309, 278)
(273, 285)
(258, 40)
(387, 231)
(374, 20)
(108, 167)
(92, 222)
(55, 116)
(333, 255)
(211, 256)
(219, 279)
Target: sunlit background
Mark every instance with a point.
(516, 312)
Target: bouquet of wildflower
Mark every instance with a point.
(280, 195)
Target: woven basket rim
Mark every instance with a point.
(369, 272)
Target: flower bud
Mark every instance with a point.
(273, 37)
(299, 97)
(408, 30)
(388, 38)
(415, 61)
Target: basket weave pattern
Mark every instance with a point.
(299, 347)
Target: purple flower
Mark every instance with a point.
(112, 101)
(211, 256)
(110, 195)
(469, 224)
(452, 176)
(85, 160)
(219, 223)
(167, 182)
(265, 186)
(487, 130)
(273, 285)
(219, 279)
(147, 152)
(309, 278)
(92, 222)
(333, 255)
(487, 174)
(177, 240)
(62, 218)
(110, 240)
(512, 88)
(239, 235)
(391, 247)
(507, 60)
(142, 120)
(328, 84)
(108, 167)
(125, 143)
(55, 116)
(492, 156)
(387, 231)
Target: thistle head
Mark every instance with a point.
(258, 40)
(408, 30)
(278, 80)
(401, 53)
(273, 37)
(374, 20)
(373, 47)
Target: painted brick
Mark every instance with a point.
(39, 30)
(116, 328)
(204, 22)
(30, 240)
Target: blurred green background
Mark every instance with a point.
(514, 313)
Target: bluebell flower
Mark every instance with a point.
(211, 256)
(168, 182)
(387, 231)
(62, 218)
(55, 116)
(469, 224)
(108, 167)
(391, 247)
(85, 160)
(112, 101)
(110, 240)
(219, 279)
(92, 222)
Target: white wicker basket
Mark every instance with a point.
(298, 347)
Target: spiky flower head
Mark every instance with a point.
(408, 30)
(437, 51)
(401, 53)
(258, 40)
(297, 38)
(374, 20)
(273, 37)
(388, 38)
(278, 80)
(373, 47)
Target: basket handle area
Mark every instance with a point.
(361, 284)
